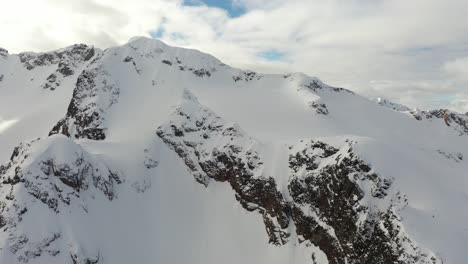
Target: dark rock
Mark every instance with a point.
(325, 187)
(76, 259)
(254, 193)
(78, 175)
(65, 69)
(68, 60)
(202, 72)
(130, 59)
(83, 113)
(320, 108)
(316, 85)
(3, 53)
(455, 120)
(167, 62)
(247, 76)
(3, 221)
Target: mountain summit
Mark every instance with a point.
(147, 153)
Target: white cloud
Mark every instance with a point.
(458, 68)
(413, 52)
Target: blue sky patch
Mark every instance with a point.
(232, 10)
(157, 34)
(272, 55)
(443, 98)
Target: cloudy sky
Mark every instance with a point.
(411, 51)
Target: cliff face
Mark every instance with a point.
(335, 201)
(147, 153)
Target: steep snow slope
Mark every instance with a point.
(155, 154)
(35, 91)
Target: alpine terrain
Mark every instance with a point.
(146, 153)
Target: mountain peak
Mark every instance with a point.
(142, 41)
(325, 175)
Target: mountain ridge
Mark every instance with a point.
(308, 173)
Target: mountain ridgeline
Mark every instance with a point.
(147, 153)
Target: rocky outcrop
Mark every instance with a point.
(54, 172)
(201, 72)
(320, 108)
(214, 150)
(247, 76)
(77, 258)
(63, 57)
(131, 60)
(3, 53)
(68, 60)
(95, 92)
(337, 202)
(317, 85)
(54, 179)
(456, 121)
(328, 198)
(332, 210)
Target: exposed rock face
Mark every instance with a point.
(77, 258)
(247, 76)
(94, 94)
(455, 120)
(313, 92)
(317, 192)
(329, 208)
(67, 61)
(320, 108)
(452, 119)
(332, 210)
(201, 72)
(233, 158)
(316, 85)
(72, 54)
(3, 53)
(55, 173)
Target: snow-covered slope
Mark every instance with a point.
(146, 153)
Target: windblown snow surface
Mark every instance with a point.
(146, 153)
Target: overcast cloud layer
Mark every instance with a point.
(413, 52)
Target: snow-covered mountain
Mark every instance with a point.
(146, 153)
